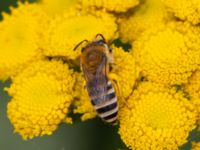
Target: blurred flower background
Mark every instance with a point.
(43, 102)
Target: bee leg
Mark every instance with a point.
(112, 77)
(112, 66)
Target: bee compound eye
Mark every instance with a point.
(101, 42)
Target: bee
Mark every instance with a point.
(96, 59)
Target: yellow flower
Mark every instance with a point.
(156, 118)
(58, 6)
(149, 14)
(124, 73)
(193, 89)
(116, 5)
(41, 97)
(185, 9)
(67, 30)
(168, 54)
(19, 35)
(195, 146)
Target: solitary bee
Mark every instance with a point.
(96, 59)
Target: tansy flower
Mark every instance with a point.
(123, 76)
(195, 146)
(19, 35)
(41, 96)
(168, 54)
(193, 89)
(156, 118)
(185, 9)
(149, 14)
(66, 31)
(58, 6)
(116, 5)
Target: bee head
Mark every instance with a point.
(99, 41)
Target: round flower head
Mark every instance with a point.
(168, 54)
(156, 118)
(195, 146)
(59, 6)
(188, 10)
(123, 77)
(67, 31)
(193, 89)
(41, 96)
(149, 14)
(116, 5)
(19, 35)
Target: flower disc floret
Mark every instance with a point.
(41, 97)
(156, 118)
(65, 32)
(168, 54)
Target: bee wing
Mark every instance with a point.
(97, 84)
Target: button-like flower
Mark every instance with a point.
(156, 118)
(65, 32)
(168, 54)
(19, 35)
(41, 97)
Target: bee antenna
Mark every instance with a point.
(79, 44)
(99, 34)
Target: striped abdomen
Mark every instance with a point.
(105, 103)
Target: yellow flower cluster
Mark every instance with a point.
(41, 96)
(116, 5)
(149, 14)
(157, 118)
(123, 76)
(36, 47)
(19, 35)
(185, 9)
(67, 30)
(195, 146)
(168, 54)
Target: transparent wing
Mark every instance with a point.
(97, 84)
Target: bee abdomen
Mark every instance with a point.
(109, 109)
